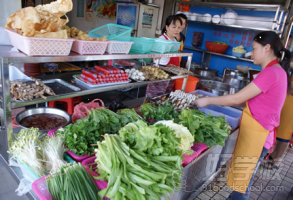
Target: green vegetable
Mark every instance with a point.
(72, 182)
(207, 129)
(183, 133)
(130, 114)
(153, 140)
(219, 42)
(162, 112)
(80, 136)
(128, 175)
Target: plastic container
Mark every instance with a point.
(119, 47)
(198, 148)
(239, 55)
(142, 45)
(190, 85)
(232, 115)
(162, 46)
(175, 47)
(112, 31)
(89, 47)
(204, 93)
(40, 46)
(41, 190)
(75, 157)
(216, 48)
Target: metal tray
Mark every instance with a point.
(96, 86)
(60, 87)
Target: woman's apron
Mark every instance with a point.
(285, 129)
(251, 139)
(249, 145)
(173, 60)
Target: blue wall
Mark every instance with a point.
(232, 36)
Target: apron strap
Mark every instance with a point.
(275, 135)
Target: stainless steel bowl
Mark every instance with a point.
(210, 73)
(232, 72)
(215, 87)
(42, 110)
(236, 81)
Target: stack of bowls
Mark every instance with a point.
(32, 69)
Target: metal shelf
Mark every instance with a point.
(16, 104)
(219, 54)
(259, 7)
(234, 26)
(19, 57)
(7, 57)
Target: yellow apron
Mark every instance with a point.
(285, 129)
(249, 145)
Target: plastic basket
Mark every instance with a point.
(232, 115)
(89, 47)
(40, 46)
(41, 190)
(198, 148)
(75, 157)
(162, 46)
(142, 45)
(175, 47)
(119, 47)
(112, 31)
(204, 93)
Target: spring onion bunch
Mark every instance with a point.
(72, 182)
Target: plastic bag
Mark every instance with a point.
(160, 88)
(81, 109)
(26, 182)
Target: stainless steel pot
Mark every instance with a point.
(210, 73)
(42, 110)
(232, 72)
(236, 81)
(216, 87)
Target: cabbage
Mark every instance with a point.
(182, 132)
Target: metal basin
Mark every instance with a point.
(236, 81)
(210, 73)
(43, 110)
(216, 87)
(232, 72)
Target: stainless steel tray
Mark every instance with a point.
(60, 87)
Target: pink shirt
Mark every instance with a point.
(266, 107)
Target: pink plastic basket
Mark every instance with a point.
(89, 161)
(198, 148)
(75, 157)
(89, 47)
(40, 186)
(33, 46)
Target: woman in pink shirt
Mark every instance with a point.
(264, 98)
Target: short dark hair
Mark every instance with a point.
(171, 20)
(181, 15)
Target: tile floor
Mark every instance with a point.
(274, 184)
